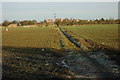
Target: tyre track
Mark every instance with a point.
(101, 71)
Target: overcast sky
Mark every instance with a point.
(45, 10)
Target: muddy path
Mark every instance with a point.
(90, 62)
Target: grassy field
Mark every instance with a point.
(31, 37)
(46, 37)
(103, 34)
(33, 52)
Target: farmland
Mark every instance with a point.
(34, 37)
(102, 34)
(34, 51)
(47, 52)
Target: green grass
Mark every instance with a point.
(104, 34)
(31, 37)
(23, 55)
(36, 37)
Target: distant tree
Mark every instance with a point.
(106, 21)
(57, 22)
(28, 22)
(101, 21)
(71, 21)
(34, 21)
(117, 21)
(46, 24)
(31, 23)
(96, 21)
(84, 22)
(111, 21)
(78, 22)
(65, 21)
(5, 23)
(14, 22)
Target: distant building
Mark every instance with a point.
(57, 19)
(49, 21)
(88, 20)
(12, 25)
(77, 20)
(61, 20)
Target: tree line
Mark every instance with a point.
(20, 23)
(63, 22)
(71, 22)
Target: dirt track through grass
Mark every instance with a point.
(43, 57)
(106, 34)
(85, 59)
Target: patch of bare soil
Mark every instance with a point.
(34, 64)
